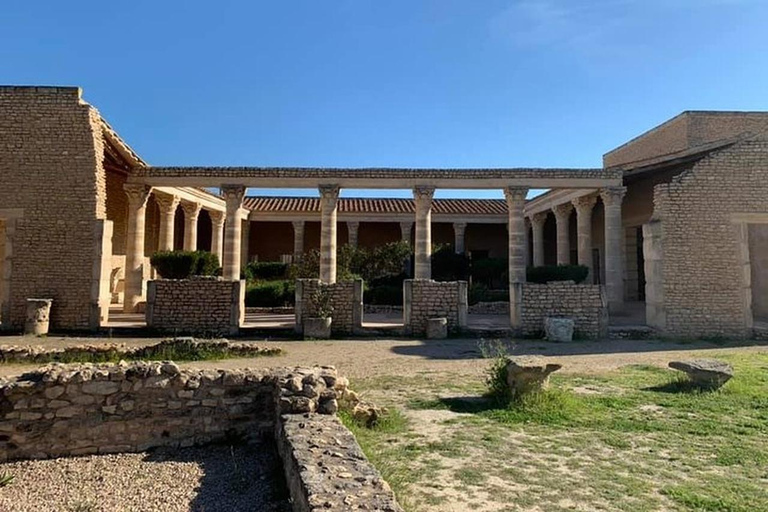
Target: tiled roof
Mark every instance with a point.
(377, 205)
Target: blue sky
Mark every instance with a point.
(401, 83)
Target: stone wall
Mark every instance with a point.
(326, 469)
(584, 303)
(51, 155)
(196, 306)
(346, 298)
(424, 299)
(704, 216)
(65, 410)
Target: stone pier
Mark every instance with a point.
(422, 197)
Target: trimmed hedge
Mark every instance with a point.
(267, 270)
(184, 264)
(545, 274)
(270, 294)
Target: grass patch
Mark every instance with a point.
(640, 438)
(181, 349)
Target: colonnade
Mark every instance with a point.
(168, 203)
(422, 195)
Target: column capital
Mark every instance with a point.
(562, 211)
(191, 210)
(459, 226)
(515, 195)
(584, 204)
(423, 193)
(354, 224)
(137, 193)
(233, 195)
(167, 202)
(298, 224)
(329, 192)
(538, 219)
(613, 196)
(217, 217)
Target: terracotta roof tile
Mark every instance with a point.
(376, 205)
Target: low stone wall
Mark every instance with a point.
(346, 298)
(326, 469)
(65, 410)
(196, 306)
(489, 308)
(424, 299)
(584, 303)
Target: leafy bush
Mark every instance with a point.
(449, 266)
(184, 264)
(491, 272)
(481, 293)
(357, 262)
(384, 295)
(270, 294)
(545, 274)
(320, 302)
(496, 373)
(266, 270)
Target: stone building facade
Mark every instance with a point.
(674, 221)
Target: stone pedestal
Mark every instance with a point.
(437, 328)
(558, 329)
(318, 328)
(38, 316)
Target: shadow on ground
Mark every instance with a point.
(471, 348)
(237, 477)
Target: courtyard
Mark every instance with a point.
(612, 433)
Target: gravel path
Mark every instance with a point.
(213, 478)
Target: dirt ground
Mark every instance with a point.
(367, 358)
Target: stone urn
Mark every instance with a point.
(38, 316)
(317, 327)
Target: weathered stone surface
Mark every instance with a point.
(60, 409)
(317, 328)
(437, 328)
(326, 469)
(528, 375)
(707, 373)
(558, 329)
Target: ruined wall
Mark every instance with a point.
(66, 410)
(705, 287)
(51, 153)
(198, 305)
(346, 298)
(585, 304)
(424, 299)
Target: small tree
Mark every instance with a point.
(321, 303)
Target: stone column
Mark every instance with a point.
(515, 197)
(563, 217)
(233, 195)
(459, 229)
(191, 215)
(329, 198)
(217, 233)
(352, 229)
(422, 197)
(298, 239)
(537, 227)
(168, 204)
(134, 245)
(528, 255)
(584, 205)
(614, 239)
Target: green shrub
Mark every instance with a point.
(270, 294)
(496, 372)
(184, 264)
(545, 274)
(491, 272)
(266, 270)
(449, 266)
(384, 295)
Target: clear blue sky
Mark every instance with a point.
(402, 83)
